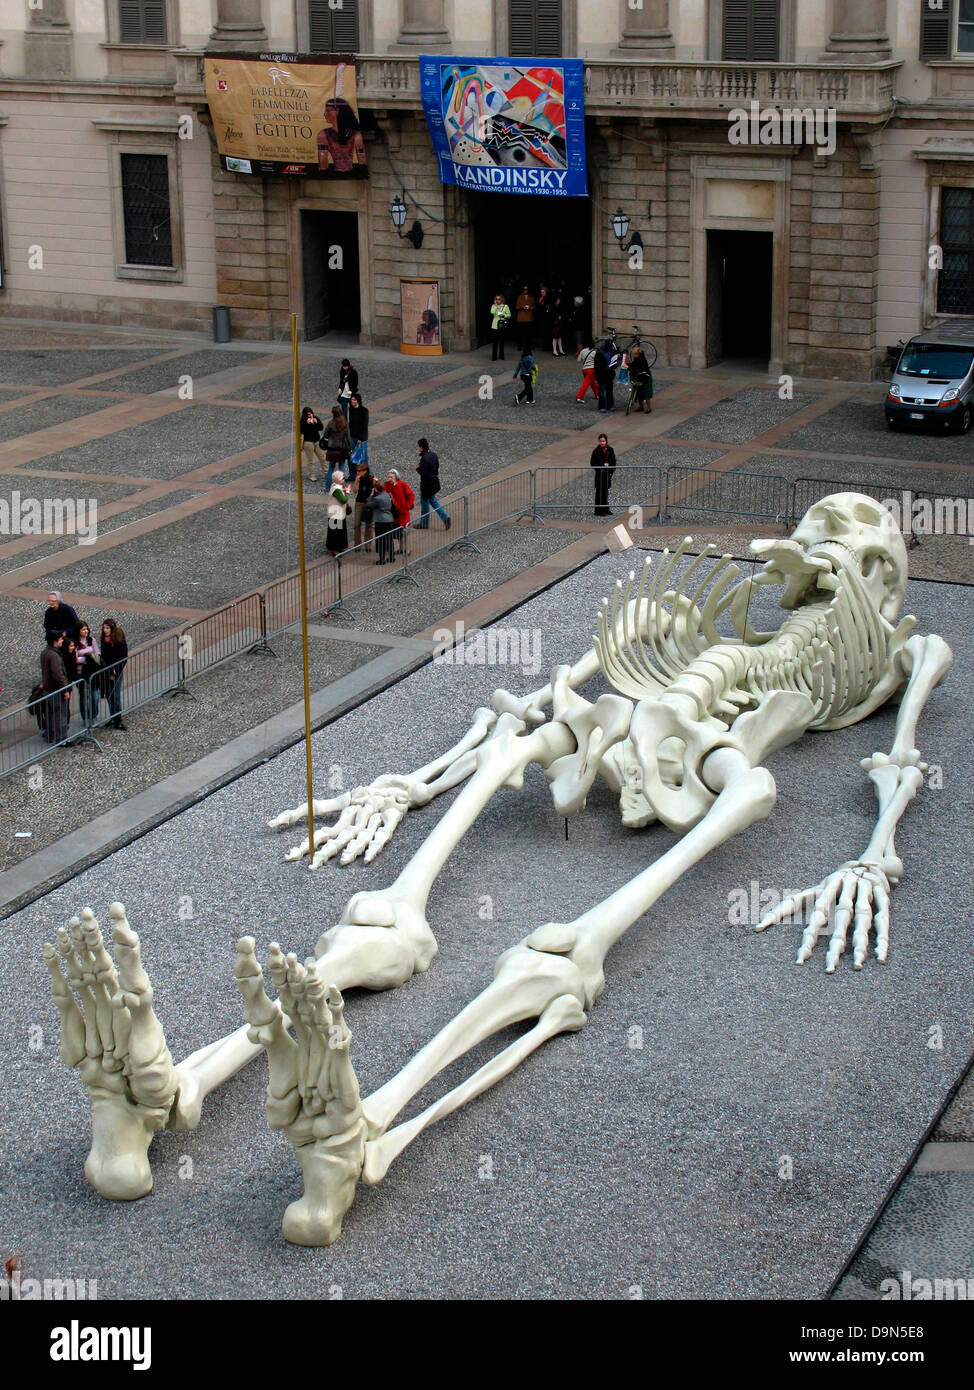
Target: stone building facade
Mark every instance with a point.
(807, 254)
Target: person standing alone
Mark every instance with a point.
(428, 469)
(500, 317)
(525, 317)
(603, 460)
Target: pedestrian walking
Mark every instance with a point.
(428, 469)
(54, 720)
(525, 307)
(347, 384)
(403, 501)
(382, 511)
(606, 361)
(586, 360)
(500, 317)
(525, 371)
(58, 615)
(89, 665)
(339, 509)
(363, 491)
(114, 659)
(358, 428)
(311, 427)
(603, 460)
(641, 377)
(338, 443)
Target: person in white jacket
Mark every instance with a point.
(585, 357)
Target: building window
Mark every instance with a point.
(751, 31)
(146, 210)
(534, 28)
(955, 283)
(142, 21)
(333, 30)
(965, 27)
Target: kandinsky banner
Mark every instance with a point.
(507, 125)
(286, 113)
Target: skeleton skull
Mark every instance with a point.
(844, 528)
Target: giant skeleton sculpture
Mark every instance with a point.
(682, 741)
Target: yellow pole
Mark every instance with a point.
(304, 584)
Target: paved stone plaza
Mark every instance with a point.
(195, 506)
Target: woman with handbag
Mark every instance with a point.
(89, 664)
(339, 510)
(338, 443)
(500, 317)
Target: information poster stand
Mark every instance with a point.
(420, 312)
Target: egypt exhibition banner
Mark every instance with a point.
(286, 113)
(507, 125)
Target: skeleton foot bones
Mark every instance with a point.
(682, 740)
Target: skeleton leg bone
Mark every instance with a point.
(554, 975)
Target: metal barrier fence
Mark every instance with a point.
(569, 490)
(31, 730)
(764, 496)
(937, 514)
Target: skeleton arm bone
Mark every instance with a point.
(859, 892)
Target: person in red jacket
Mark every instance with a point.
(403, 501)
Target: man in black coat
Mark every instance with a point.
(59, 616)
(603, 460)
(54, 679)
(606, 360)
(428, 469)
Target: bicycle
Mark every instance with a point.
(649, 351)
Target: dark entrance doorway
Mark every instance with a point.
(739, 266)
(520, 239)
(329, 264)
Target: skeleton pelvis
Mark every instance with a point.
(670, 745)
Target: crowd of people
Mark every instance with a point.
(73, 653)
(379, 509)
(544, 322)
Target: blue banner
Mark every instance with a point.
(507, 125)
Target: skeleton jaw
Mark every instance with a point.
(804, 573)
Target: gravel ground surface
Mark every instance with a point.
(165, 375)
(168, 733)
(739, 417)
(667, 1156)
(466, 456)
(184, 440)
(859, 427)
(106, 525)
(378, 376)
(165, 566)
(888, 473)
(53, 410)
(55, 366)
